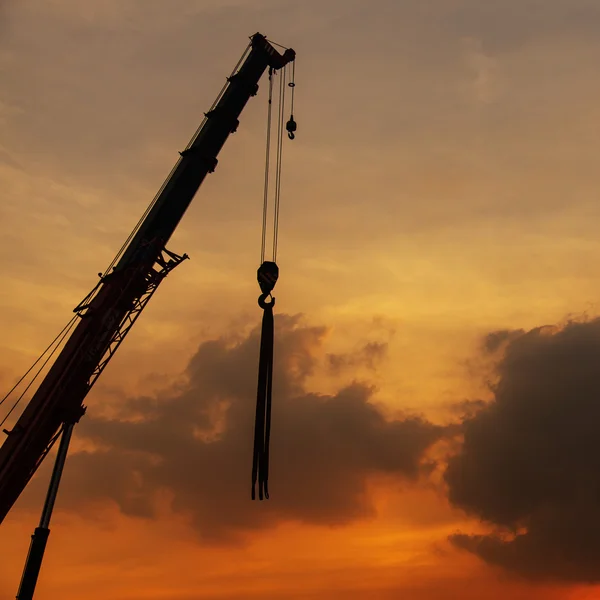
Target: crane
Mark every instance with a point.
(106, 315)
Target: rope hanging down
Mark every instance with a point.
(267, 276)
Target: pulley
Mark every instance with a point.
(291, 127)
(267, 276)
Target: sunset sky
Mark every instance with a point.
(437, 382)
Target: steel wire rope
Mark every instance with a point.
(267, 168)
(14, 387)
(162, 187)
(62, 336)
(119, 253)
(279, 162)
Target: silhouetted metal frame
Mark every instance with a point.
(113, 306)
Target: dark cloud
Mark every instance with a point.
(495, 340)
(368, 356)
(530, 464)
(196, 444)
(466, 410)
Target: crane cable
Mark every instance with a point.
(166, 181)
(56, 342)
(267, 276)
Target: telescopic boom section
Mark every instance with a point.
(122, 294)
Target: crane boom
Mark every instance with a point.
(110, 310)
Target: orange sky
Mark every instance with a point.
(442, 185)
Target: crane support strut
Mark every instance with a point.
(39, 538)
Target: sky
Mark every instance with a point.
(437, 328)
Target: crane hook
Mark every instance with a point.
(291, 127)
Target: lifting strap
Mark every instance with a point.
(268, 273)
(267, 276)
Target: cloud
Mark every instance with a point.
(495, 340)
(529, 464)
(483, 68)
(369, 355)
(195, 443)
